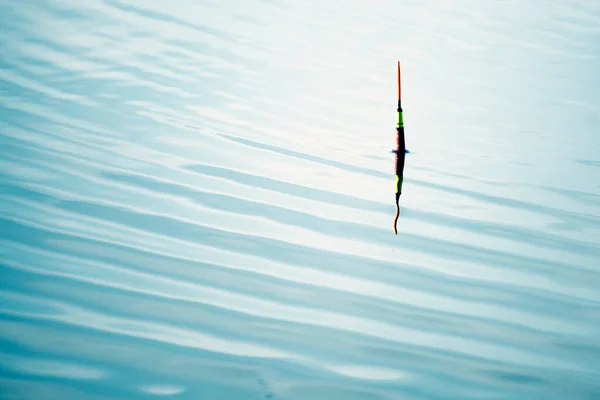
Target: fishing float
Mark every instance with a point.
(400, 153)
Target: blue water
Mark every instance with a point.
(197, 200)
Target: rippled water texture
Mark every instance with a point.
(197, 200)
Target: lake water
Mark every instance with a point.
(197, 200)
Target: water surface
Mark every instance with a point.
(197, 200)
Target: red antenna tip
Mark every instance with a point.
(399, 85)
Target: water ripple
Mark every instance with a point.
(196, 200)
